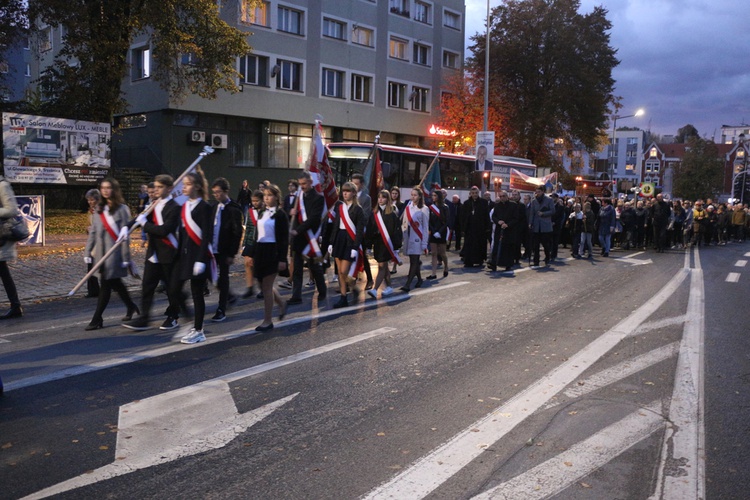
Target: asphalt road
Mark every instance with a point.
(603, 379)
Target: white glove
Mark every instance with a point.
(124, 232)
(198, 268)
(88, 260)
(125, 265)
(141, 220)
(436, 235)
(330, 249)
(354, 253)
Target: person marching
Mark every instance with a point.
(505, 220)
(438, 223)
(398, 206)
(253, 214)
(160, 227)
(385, 230)
(8, 251)
(194, 254)
(93, 197)
(269, 253)
(226, 235)
(415, 226)
(306, 227)
(348, 231)
(108, 225)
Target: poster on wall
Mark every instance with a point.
(32, 209)
(45, 150)
(485, 150)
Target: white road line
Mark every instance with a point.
(433, 469)
(740, 263)
(732, 278)
(622, 370)
(747, 254)
(172, 348)
(658, 324)
(684, 447)
(557, 473)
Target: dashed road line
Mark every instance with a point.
(740, 263)
(732, 278)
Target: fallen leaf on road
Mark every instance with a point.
(6, 446)
(586, 485)
(569, 464)
(104, 447)
(381, 433)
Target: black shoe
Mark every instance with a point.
(343, 302)
(369, 285)
(491, 267)
(131, 309)
(219, 316)
(259, 296)
(508, 268)
(430, 277)
(140, 323)
(232, 298)
(445, 273)
(261, 328)
(15, 312)
(418, 284)
(405, 289)
(248, 293)
(95, 325)
(294, 301)
(91, 296)
(169, 324)
(322, 295)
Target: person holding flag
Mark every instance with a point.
(364, 200)
(195, 261)
(109, 225)
(306, 227)
(415, 227)
(160, 227)
(348, 232)
(386, 235)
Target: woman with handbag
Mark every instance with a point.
(109, 224)
(8, 210)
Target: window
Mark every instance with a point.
(363, 36)
(334, 29)
(418, 98)
(397, 95)
(632, 141)
(254, 14)
(290, 20)
(398, 48)
(652, 153)
(361, 88)
(333, 83)
(400, 7)
(452, 20)
(422, 12)
(422, 54)
(140, 63)
(45, 39)
(450, 59)
(290, 76)
(254, 70)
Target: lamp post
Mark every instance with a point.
(743, 172)
(612, 155)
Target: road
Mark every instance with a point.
(614, 378)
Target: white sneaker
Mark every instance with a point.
(335, 279)
(372, 293)
(311, 283)
(387, 291)
(193, 337)
(286, 285)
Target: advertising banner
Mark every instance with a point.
(485, 150)
(32, 209)
(44, 150)
(523, 182)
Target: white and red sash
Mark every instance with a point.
(359, 262)
(253, 214)
(385, 235)
(195, 233)
(109, 224)
(169, 240)
(312, 249)
(414, 224)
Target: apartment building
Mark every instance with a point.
(367, 67)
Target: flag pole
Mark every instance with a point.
(207, 150)
(434, 161)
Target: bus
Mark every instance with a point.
(405, 167)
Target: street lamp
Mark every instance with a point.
(741, 154)
(612, 155)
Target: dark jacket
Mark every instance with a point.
(357, 215)
(314, 204)
(190, 252)
(230, 231)
(158, 234)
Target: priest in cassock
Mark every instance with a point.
(475, 223)
(505, 221)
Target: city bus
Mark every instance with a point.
(405, 167)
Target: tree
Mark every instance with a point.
(700, 174)
(552, 71)
(685, 133)
(84, 82)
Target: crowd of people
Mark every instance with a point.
(294, 234)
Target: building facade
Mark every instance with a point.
(366, 67)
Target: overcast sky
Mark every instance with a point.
(682, 61)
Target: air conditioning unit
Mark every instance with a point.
(219, 141)
(198, 136)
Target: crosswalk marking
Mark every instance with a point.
(740, 263)
(732, 278)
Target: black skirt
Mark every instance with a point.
(265, 260)
(342, 247)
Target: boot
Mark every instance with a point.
(15, 312)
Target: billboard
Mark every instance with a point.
(485, 151)
(44, 150)
(32, 209)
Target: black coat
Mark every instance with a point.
(314, 204)
(190, 252)
(165, 253)
(230, 231)
(357, 215)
